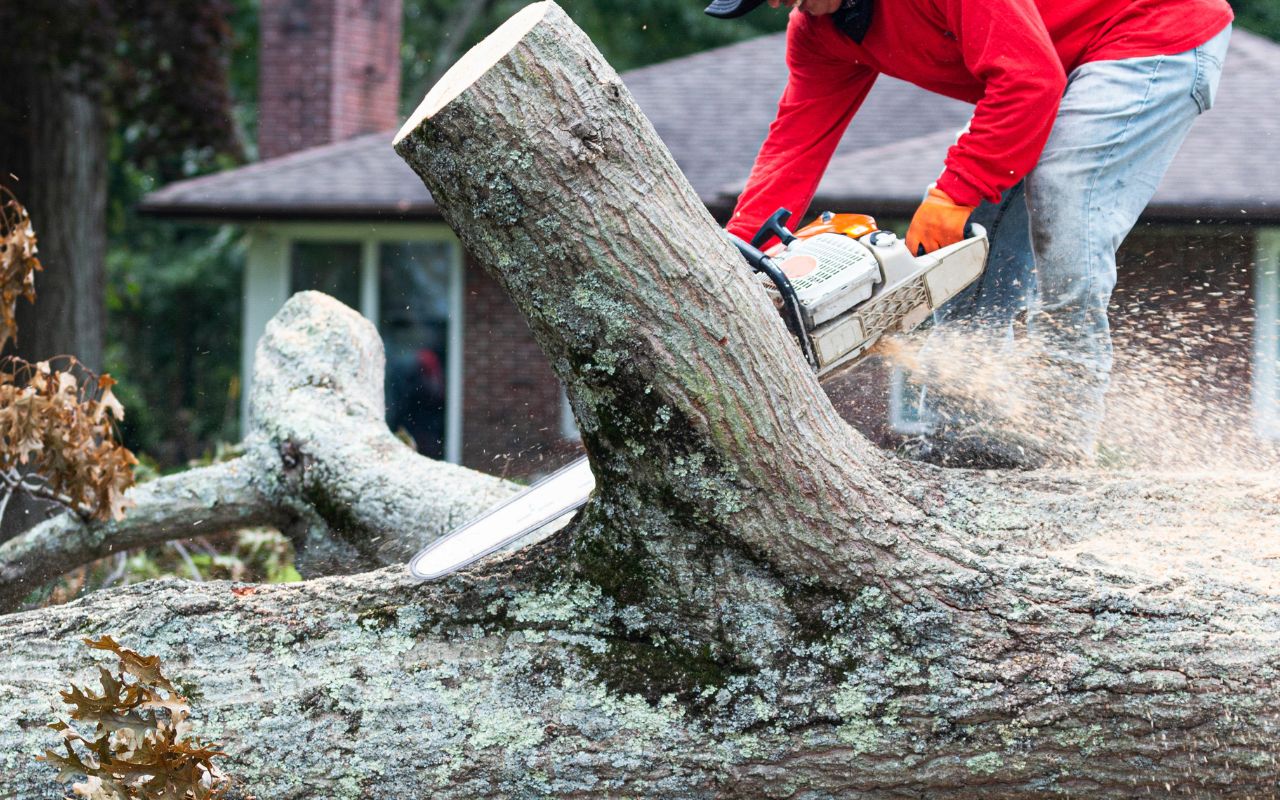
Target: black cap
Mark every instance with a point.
(732, 9)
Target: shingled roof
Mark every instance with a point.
(713, 109)
(1229, 167)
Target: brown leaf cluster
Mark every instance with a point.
(58, 438)
(141, 747)
(18, 262)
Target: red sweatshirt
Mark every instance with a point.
(1010, 57)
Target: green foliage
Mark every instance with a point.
(174, 309)
(141, 747)
(630, 33)
(157, 65)
(173, 289)
(174, 301)
(251, 555)
(1259, 16)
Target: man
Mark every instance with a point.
(1080, 106)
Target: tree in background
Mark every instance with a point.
(179, 370)
(91, 87)
(1259, 16)
(631, 33)
(57, 419)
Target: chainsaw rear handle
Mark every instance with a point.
(760, 262)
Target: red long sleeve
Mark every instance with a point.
(1006, 47)
(1009, 57)
(822, 94)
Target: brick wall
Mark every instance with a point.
(1187, 295)
(328, 70)
(511, 398)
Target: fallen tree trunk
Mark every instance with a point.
(318, 463)
(755, 603)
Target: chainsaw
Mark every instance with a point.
(839, 283)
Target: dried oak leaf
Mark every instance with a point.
(18, 262)
(144, 668)
(58, 424)
(141, 748)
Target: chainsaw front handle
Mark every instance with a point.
(760, 262)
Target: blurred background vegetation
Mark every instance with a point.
(173, 314)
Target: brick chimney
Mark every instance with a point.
(328, 70)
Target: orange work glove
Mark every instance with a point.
(939, 221)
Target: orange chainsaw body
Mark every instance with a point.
(855, 226)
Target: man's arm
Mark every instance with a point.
(822, 94)
(1005, 45)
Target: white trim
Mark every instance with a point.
(1266, 338)
(453, 369)
(369, 288)
(360, 231)
(568, 424)
(266, 287)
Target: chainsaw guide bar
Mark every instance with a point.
(840, 284)
(549, 500)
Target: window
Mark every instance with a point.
(1266, 381)
(405, 278)
(329, 267)
(413, 315)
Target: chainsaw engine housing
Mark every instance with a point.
(853, 283)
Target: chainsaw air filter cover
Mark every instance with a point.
(831, 273)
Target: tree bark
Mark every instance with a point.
(53, 157)
(755, 603)
(53, 141)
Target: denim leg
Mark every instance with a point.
(1117, 130)
(996, 298)
(1002, 291)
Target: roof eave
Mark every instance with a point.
(278, 213)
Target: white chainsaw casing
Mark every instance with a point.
(830, 272)
(852, 291)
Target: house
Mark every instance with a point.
(333, 208)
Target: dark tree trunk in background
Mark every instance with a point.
(53, 157)
(53, 141)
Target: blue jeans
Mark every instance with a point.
(1054, 236)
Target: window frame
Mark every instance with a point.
(1266, 334)
(267, 286)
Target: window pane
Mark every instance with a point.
(414, 313)
(329, 267)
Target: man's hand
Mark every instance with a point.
(815, 8)
(938, 222)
